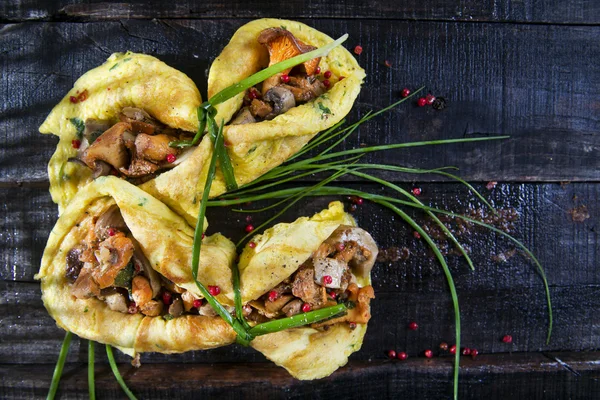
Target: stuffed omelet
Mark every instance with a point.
(116, 269)
(135, 104)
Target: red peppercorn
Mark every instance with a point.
(252, 245)
(214, 290)
(358, 50)
(416, 235)
(490, 185)
(285, 78)
(387, 63)
(76, 143)
(273, 295)
(318, 70)
(248, 218)
(391, 354)
(333, 295)
(166, 298)
(111, 231)
(83, 96)
(197, 303)
(73, 99)
(422, 102)
(428, 353)
(171, 158)
(444, 346)
(137, 267)
(402, 356)
(306, 307)
(474, 353)
(413, 326)
(405, 92)
(326, 83)
(132, 309)
(507, 339)
(416, 191)
(340, 247)
(452, 349)
(352, 325)
(430, 98)
(466, 351)
(203, 235)
(252, 94)
(358, 200)
(327, 74)
(249, 228)
(327, 280)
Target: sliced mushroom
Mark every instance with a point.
(154, 148)
(94, 128)
(305, 287)
(113, 254)
(145, 267)
(282, 45)
(282, 100)
(152, 308)
(101, 169)
(109, 147)
(116, 302)
(243, 117)
(292, 308)
(188, 300)
(85, 286)
(111, 218)
(139, 168)
(276, 305)
(207, 310)
(305, 88)
(140, 120)
(74, 265)
(366, 252)
(329, 267)
(176, 308)
(260, 109)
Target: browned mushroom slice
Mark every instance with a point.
(282, 100)
(85, 286)
(243, 117)
(109, 147)
(363, 251)
(139, 168)
(361, 312)
(282, 45)
(111, 218)
(154, 148)
(260, 109)
(277, 304)
(94, 128)
(113, 255)
(292, 308)
(304, 287)
(140, 120)
(305, 88)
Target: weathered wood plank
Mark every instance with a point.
(548, 11)
(491, 377)
(536, 83)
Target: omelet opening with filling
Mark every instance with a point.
(116, 270)
(272, 121)
(119, 119)
(310, 264)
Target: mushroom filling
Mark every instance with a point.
(109, 265)
(135, 148)
(287, 89)
(324, 280)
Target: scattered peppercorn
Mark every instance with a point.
(197, 303)
(428, 353)
(318, 70)
(416, 191)
(285, 78)
(253, 94)
(326, 83)
(306, 307)
(391, 354)
(327, 280)
(452, 349)
(507, 339)
(252, 245)
(413, 326)
(340, 247)
(387, 63)
(73, 99)
(327, 74)
(273, 295)
(430, 98)
(358, 50)
(416, 235)
(166, 298)
(405, 92)
(444, 346)
(422, 102)
(474, 353)
(466, 351)
(352, 325)
(111, 231)
(402, 356)
(76, 143)
(333, 295)
(249, 228)
(171, 158)
(248, 218)
(491, 185)
(214, 290)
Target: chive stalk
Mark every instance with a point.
(60, 363)
(117, 374)
(298, 320)
(91, 372)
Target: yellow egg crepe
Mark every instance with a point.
(124, 80)
(166, 241)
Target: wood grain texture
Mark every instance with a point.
(538, 84)
(514, 376)
(547, 11)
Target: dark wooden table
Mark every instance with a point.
(528, 69)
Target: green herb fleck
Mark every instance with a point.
(142, 202)
(324, 110)
(125, 276)
(95, 135)
(252, 150)
(283, 27)
(86, 309)
(126, 59)
(113, 67)
(79, 125)
(167, 317)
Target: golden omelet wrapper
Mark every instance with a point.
(165, 239)
(171, 98)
